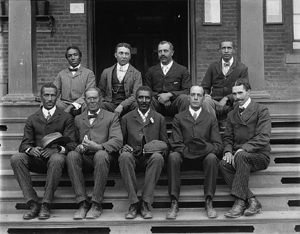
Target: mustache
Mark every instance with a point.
(239, 99)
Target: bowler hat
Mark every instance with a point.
(197, 147)
(54, 138)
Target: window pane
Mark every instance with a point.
(296, 45)
(296, 27)
(296, 6)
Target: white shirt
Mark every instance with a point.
(121, 71)
(45, 111)
(76, 105)
(144, 116)
(166, 68)
(226, 68)
(246, 104)
(92, 119)
(193, 111)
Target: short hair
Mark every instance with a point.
(233, 44)
(167, 42)
(144, 88)
(49, 85)
(93, 89)
(74, 48)
(196, 85)
(123, 44)
(244, 82)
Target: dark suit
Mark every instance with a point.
(177, 81)
(105, 130)
(132, 80)
(219, 85)
(35, 129)
(251, 132)
(137, 133)
(184, 128)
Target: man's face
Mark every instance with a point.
(196, 97)
(226, 50)
(123, 55)
(73, 57)
(240, 94)
(143, 99)
(92, 101)
(165, 53)
(49, 97)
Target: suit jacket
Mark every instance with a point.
(134, 129)
(177, 80)
(250, 131)
(132, 80)
(205, 127)
(104, 130)
(37, 127)
(71, 88)
(217, 84)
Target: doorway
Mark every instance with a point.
(142, 24)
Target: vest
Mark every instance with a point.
(118, 91)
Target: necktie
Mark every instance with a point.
(241, 109)
(73, 69)
(48, 116)
(92, 116)
(121, 74)
(226, 68)
(165, 69)
(195, 116)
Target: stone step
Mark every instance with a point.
(188, 221)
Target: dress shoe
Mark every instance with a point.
(132, 212)
(45, 211)
(254, 207)
(210, 211)
(95, 211)
(34, 210)
(84, 206)
(172, 213)
(237, 209)
(145, 211)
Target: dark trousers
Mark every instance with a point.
(22, 164)
(209, 165)
(179, 104)
(237, 178)
(78, 164)
(109, 106)
(153, 165)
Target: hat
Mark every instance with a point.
(196, 147)
(155, 146)
(54, 138)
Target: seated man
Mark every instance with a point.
(196, 140)
(142, 127)
(100, 137)
(169, 81)
(36, 154)
(246, 149)
(119, 83)
(72, 82)
(219, 79)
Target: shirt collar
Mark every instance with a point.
(45, 111)
(89, 113)
(168, 66)
(230, 62)
(246, 104)
(193, 111)
(144, 115)
(125, 67)
(75, 67)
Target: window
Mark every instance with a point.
(296, 25)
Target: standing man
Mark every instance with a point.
(145, 145)
(72, 82)
(35, 156)
(100, 137)
(196, 140)
(119, 83)
(219, 79)
(246, 148)
(169, 81)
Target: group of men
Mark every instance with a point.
(121, 125)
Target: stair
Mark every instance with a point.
(277, 188)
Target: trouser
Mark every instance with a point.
(109, 106)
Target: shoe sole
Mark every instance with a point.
(249, 213)
(232, 216)
(43, 218)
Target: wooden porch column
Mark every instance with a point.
(251, 44)
(22, 78)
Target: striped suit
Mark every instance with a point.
(251, 132)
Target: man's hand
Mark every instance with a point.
(46, 153)
(119, 109)
(91, 145)
(223, 101)
(164, 97)
(229, 158)
(127, 148)
(36, 151)
(69, 108)
(167, 103)
(80, 149)
(207, 95)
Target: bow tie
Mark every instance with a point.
(73, 69)
(241, 110)
(226, 64)
(92, 116)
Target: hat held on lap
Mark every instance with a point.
(196, 147)
(54, 138)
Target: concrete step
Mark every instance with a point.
(188, 221)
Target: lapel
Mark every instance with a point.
(150, 115)
(188, 116)
(219, 67)
(172, 69)
(55, 116)
(85, 119)
(233, 65)
(201, 116)
(248, 112)
(78, 73)
(40, 116)
(237, 116)
(128, 73)
(137, 117)
(98, 119)
(159, 70)
(110, 74)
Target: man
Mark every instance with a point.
(246, 148)
(169, 81)
(72, 82)
(142, 127)
(100, 137)
(119, 83)
(219, 79)
(195, 140)
(34, 156)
